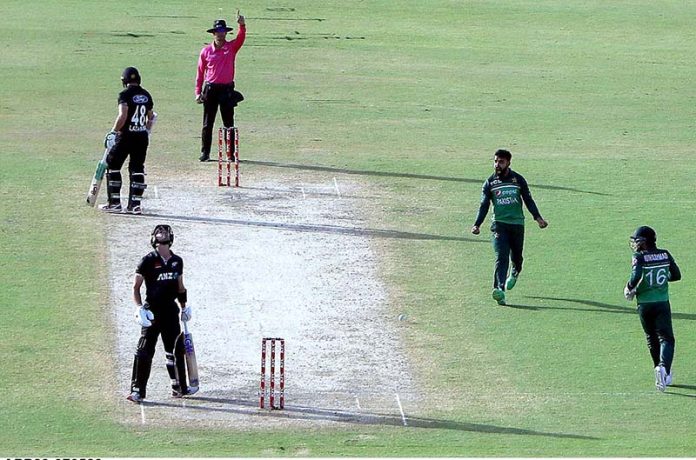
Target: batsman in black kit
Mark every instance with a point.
(130, 136)
(162, 271)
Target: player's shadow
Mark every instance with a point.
(299, 412)
(307, 228)
(404, 175)
(598, 307)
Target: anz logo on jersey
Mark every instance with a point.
(168, 276)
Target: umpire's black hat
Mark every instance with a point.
(219, 26)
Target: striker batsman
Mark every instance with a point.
(162, 271)
(507, 190)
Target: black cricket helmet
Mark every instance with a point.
(643, 238)
(130, 75)
(162, 234)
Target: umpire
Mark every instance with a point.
(215, 80)
(507, 190)
(162, 271)
(132, 137)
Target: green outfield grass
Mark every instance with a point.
(594, 99)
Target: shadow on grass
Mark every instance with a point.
(298, 412)
(404, 175)
(306, 228)
(599, 307)
(685, 387)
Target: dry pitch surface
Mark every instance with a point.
(281, 256)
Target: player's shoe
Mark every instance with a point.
(204, 157)
(178, 393)
(499, 296)
(112, 208)
(137, 210)
(192, 391)
(668, 378)
(134, 397)
(511, 281)
(660, 378)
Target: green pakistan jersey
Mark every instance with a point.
(507, 194)
(651, 272)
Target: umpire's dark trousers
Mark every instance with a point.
(656, 319)
(221, 96)
(508, 242)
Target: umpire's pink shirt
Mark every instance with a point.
(216, 65)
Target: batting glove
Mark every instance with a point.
(186, 314)
(110, 140)
(144, 316)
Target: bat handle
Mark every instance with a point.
(185, 327)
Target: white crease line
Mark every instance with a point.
(338, 192)
(142, 414)
(303, 193)
(156, 193)
(357, 402)
(401, 409)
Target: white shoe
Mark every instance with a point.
(137, 210)
(134, 397)
(668, 378)
(660, 378)
(112, 208)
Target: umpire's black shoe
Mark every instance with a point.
(204, 157)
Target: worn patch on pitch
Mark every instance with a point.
(287, 258)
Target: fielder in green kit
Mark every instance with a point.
(507, 190)
(652, 269)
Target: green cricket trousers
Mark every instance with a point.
(508, 242)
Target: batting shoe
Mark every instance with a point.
(660, 378)
(511, 281)
(668, 378)
(178, 393)
(192, 391)
(499, 296)
(204, 157)
(134, 397)
(137, 210)
(111, 208)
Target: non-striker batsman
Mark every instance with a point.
(131, 131)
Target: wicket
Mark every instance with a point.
(281, 381)
(228, 153)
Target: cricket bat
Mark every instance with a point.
(94, 187)
(191, 363)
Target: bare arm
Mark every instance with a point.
(182, 289)
(137, 282)
(151, 117)
(122, 118)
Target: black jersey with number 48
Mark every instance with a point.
(139, 103)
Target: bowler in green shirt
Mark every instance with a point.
(506, 189)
